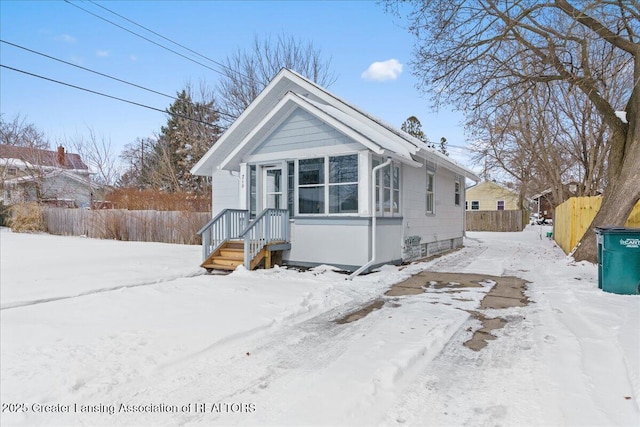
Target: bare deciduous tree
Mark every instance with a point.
(471, 52)
(97, 153)
(248, 71)
(18, 132)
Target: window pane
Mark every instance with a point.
(274, 178)
(430, 203)
(290, 184)
(387, 200)
(252, 191)
(343, 169)
(396, 178)
(311, 171)
(396, 201)
(386, 176)
(429, 181)
(311, 200)
(343, 198)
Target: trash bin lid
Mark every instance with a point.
(615, 229)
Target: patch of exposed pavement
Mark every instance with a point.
(506, 292)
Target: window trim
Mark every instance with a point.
(326, 185)
(498, 205)
(395, 194)
(456, 191)
(477, 205)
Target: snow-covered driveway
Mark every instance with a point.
(123, 333)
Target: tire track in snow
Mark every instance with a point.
(19, 304)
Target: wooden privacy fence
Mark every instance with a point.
(497, 220)
(119, 224)
(572, 218)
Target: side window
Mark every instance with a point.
(457, 191)
(430, 193)
(475, 205)
(291, 188)
(500, 205)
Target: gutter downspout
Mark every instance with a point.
(373, 219)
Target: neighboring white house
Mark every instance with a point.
(308, 156)
(54, 177)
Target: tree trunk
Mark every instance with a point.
(620, 197)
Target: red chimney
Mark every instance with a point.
(61, 155)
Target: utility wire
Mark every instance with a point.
(86, 69)
(172, 41)
(105, 95)
(143, 37)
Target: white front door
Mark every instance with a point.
(272, 188)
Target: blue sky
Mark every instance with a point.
(355, 34)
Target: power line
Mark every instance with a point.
(86, 69)
(171, 41)
(143, 37)
(105, 95)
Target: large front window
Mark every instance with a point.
(333, 179)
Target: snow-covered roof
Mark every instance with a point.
(49, 175)
(30, 157)
(290, 86)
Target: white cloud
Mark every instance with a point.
(102, 53)
(66, 38)
(133, 57)
(381, 71)
(77, 59)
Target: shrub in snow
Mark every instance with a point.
(26, 217)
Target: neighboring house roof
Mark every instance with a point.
(492, 184)
(289, 91)
(52, 174)
(29, 157)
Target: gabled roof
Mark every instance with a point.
(289, 89)
(37, 157)
(52, 174)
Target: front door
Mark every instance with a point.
(272, 187)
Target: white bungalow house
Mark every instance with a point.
(295, 174)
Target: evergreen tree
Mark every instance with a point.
(413, 127)
(443, 146)
(190, 131)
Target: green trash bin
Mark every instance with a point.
(619, 260)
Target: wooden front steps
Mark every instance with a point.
(231, 254)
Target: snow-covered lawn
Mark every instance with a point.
(109, 333)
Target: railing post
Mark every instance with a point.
(247, 258)
(286, 226)
(227, 224)
(267, 227)
(206, 244)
